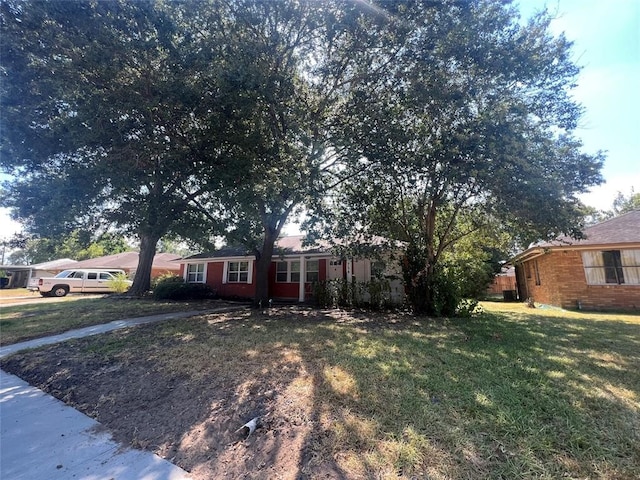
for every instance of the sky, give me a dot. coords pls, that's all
(606, 36)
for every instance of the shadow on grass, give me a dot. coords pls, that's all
(363, 396)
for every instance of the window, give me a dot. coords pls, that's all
(282, 272)
(92, 276)
(313, 271)
(537, 271)
(288, 272)
(377, 270)
(238, 272)
(105, 276)
(612, 267)
(295, 272)
(195, 273)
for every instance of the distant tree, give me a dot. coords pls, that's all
(471, 119)
(78, 245)
(626, 203)
(621, 204)
(592, 215)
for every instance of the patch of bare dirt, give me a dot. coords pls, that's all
(182, 389)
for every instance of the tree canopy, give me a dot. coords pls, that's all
(423, 122)
(472, 119)
(111, 118)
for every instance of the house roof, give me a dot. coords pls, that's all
(290, 245)
(53, 264)
(622, 231)
(126, 261)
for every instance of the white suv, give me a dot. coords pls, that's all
(82, 280)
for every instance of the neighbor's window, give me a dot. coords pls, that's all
(612, 267)
(537, 271)
(238, 272)
(313, 271)
(195, 273)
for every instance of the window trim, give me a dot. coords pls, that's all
(307, 271)
(289, 272)
(226, 271)
(197, 273)
(624, 262)
(536, 270)
(613, 271)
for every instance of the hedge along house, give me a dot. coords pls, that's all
(599, 272)
(294, 270)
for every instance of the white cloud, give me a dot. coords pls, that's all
(8, 227)
(602, 197)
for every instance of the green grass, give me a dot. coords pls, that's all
(23, 322)
(513, 393)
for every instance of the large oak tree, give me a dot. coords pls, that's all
(111, 117)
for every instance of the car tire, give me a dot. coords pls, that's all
(59, 291)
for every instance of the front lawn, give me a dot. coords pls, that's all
(48, 316)
(514, 393)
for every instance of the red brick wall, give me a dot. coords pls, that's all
(563, 284)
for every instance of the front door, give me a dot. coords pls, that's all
(335, 269)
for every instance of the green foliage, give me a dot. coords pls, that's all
(621, 204)
(166, 278)
(112, 117)
(339, 292)
(77, 245)
(438, 290)
(175, 288)
(119, 283)
(173, 119)
(469, 125)
(626, 203)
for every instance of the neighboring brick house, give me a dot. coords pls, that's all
(599, 272)
(294, 269)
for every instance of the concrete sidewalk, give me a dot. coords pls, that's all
(41, 438)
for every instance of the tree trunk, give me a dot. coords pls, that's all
(142, 279)
(419, 266)
(263, 262)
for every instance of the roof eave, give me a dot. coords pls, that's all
(534, 252)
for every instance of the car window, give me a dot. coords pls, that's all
(92, 275)
(105, 276)
(63, 274)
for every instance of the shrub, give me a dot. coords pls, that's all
(175, 288)
(166, 278)
(119, 283)
(343, 293)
